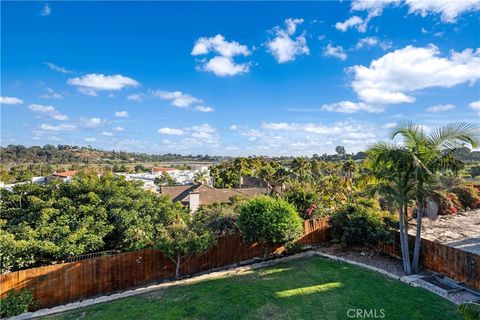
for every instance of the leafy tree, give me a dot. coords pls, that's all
(165, 180)
(42, 224)
(269, 221)
(340, 150)
(180, 240)
(305, 198)
(301, 167)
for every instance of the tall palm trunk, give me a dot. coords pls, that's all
(404, 241)
(418, 237)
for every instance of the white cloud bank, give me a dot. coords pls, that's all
(180, 99)
(48, 111)
(10, 100)
(284, 47)
(336, 52)
(351, 22)
(440, 108)
(392, 78)
(222, 64)
(60, 127)
(352, 107)
(91, 83)
(171, 131)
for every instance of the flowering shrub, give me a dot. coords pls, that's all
(448, 203)
(468, 196)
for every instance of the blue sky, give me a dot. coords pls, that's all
(234, 78)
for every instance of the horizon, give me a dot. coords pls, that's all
(234, 79)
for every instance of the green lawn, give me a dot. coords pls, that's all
(313, 288)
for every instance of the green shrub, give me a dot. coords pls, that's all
(269, 221)
(468, 195)
(305, 199)
(16, 302)
(360, 224)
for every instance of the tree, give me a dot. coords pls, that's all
(407, 172)
(301, 167)
(165, 180)
(42, 224)
(201, 177)
(269, 221)
(180, 240)
(340, 150)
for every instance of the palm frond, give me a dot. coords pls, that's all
(455, 135)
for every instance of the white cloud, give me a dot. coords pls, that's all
(48, 111)
(91, 122)
(205, 133)
(119, 129)
(90, 139)
(136, 97)
(391, 78)
(177, 98)
(10, 100)
(389, 125)
(352, 107)
(51, 94)
(107, 134)
(233, 127)
(475, 105)
(121, 114)
(440, 108)
(171, 131)
(225, 66)
(60, 127)
(336, 52)
(46, 11)
(448, 10)
(91, 83)
(351, 22)
(55, 67)
(283, 47)
(203, 109)
(372, 41)
(222, 64)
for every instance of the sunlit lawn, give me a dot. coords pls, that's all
(313, 288)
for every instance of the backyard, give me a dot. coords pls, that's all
(310, 288)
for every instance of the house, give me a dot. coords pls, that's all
(160, 170)
(193, 196)
(63, 176)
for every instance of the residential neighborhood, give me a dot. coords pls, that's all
(240, 160)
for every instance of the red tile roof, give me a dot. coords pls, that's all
(158, 169)
(66, 174)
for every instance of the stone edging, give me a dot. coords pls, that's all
(413, 280)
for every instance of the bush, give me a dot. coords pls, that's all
(269, 221)
(448, 202)
(16, 302)
(360, 224)
(220, 218)
(468, 195)
(305, 199)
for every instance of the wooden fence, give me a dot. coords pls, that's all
(455, 263)
(61, 283)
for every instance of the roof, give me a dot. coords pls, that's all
(66, 174)
(177, 193)
(160, 169)
(208, 194)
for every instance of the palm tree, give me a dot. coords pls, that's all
(405, 173)
(201, 177)
(433, 152)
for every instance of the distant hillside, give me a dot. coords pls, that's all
(63, 154)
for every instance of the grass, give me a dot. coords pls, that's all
(313, 288)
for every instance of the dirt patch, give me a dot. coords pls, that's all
(461, 231)
(367, 256)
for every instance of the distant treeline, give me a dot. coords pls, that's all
(66, 154)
